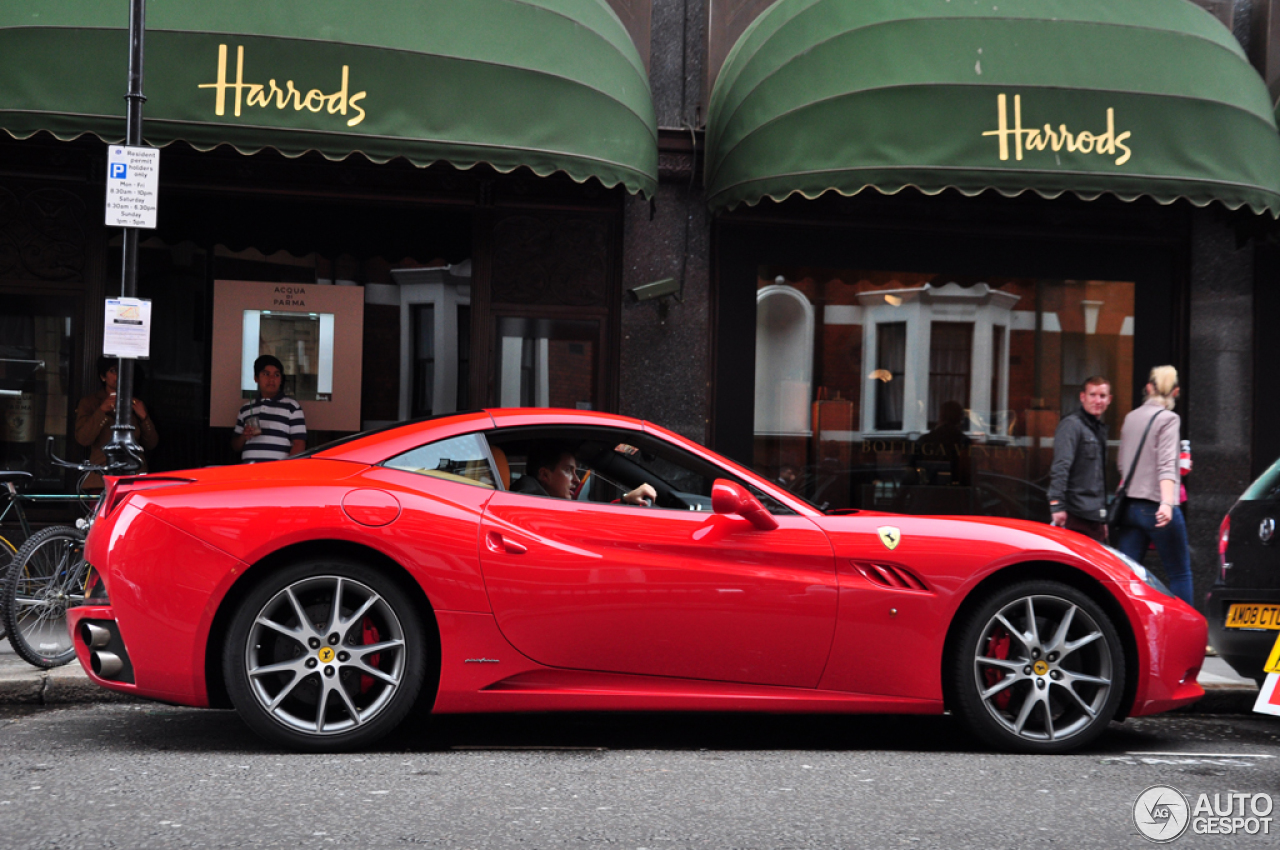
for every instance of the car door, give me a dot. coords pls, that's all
(660, 592)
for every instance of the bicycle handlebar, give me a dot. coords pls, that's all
(124, 467)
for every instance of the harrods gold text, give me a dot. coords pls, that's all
(271, 94)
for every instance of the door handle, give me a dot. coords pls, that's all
(502, 546)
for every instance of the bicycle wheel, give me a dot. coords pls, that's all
(45, 579)
(7, 551)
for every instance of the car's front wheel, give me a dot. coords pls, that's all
(325, 656)
(1039, 668)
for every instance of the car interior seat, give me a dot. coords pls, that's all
(504, 469)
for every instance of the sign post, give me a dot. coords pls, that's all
(133, 177)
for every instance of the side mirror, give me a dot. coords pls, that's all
(730, 498)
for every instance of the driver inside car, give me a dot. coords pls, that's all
(553, 471)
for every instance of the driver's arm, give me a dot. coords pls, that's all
(642, 495)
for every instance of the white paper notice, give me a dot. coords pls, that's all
(128, 328)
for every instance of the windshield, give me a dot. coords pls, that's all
(1266, 485)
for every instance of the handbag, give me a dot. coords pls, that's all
(1115, 510)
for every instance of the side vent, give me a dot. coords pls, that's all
(890, 575)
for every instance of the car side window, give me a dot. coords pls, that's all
(603, 465)
(463, 459)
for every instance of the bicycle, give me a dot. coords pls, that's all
(12, 498)
(44, 578)
(10, 479)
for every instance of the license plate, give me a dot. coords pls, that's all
(1253, 617)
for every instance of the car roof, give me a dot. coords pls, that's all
(376, 446)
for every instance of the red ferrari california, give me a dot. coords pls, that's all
(547, 560)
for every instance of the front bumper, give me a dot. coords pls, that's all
(1175, 635)
(1246, 650)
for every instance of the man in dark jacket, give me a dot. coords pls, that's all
(1078, 478)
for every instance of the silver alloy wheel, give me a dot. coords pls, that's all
(1043, 668)
(325, 655)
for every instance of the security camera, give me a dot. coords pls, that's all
(656, 289)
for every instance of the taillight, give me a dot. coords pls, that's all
(119, 489)
(1224, 537)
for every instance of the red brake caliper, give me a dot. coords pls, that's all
(997, 647)
(369, 635)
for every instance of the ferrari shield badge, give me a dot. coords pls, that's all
(889, 536)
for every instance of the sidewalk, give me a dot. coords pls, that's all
(22, 684)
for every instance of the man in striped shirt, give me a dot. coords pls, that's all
(271, 426)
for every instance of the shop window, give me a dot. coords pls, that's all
(435, 342)
(784, 360)
(930, 394)
(424, 359)
(547, 362)
(303, 342)
(37, 348)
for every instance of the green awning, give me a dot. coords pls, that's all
(551, 85)
(1127, 97)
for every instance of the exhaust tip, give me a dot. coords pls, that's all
(94, 637)
(106, 665)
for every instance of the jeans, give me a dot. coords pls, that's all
(1139, 528)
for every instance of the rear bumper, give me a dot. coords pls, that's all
(92, 655)
(1246, 650)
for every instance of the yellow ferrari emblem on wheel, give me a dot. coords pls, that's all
(326, 654)
(889, 536)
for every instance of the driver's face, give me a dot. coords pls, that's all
(561, 481)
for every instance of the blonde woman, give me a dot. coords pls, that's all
(1152, 514)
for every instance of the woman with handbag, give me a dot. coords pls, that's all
(1149, 444)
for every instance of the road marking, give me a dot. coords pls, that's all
(1204, 755)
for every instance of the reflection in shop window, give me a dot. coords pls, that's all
(950, 366)
(890, 374)
(931, 394)
(547, 362)
(784, 359)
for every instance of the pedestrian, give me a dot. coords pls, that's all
(96, 413)
(1078, 477)
(1152, 514)
(271, 425)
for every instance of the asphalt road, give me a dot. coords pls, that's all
(142, 775)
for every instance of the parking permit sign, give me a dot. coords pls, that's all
(133, 184)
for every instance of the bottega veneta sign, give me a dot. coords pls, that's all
(1046, 138)
(270, 95)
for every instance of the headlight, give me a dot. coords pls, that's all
(1149, 578)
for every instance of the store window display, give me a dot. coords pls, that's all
(930, 393)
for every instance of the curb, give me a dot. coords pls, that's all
(66, 685)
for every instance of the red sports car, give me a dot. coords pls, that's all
(543, 560)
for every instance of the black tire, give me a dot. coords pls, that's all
(1038, 668)
(312, 684)
(7, 551)
(39, 587)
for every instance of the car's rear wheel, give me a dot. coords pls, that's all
(325, 656)
(1039, 668)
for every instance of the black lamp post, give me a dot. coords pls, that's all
(124, 455)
